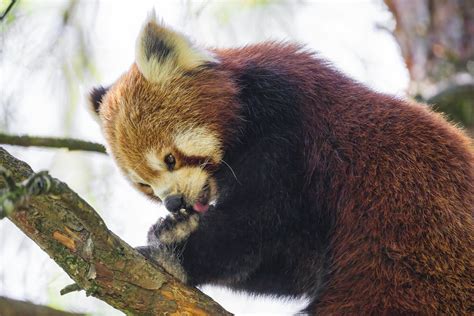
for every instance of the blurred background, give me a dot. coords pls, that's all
(53, 51)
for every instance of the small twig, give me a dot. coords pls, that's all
(10, 6)
(70, 288)
(53, 142)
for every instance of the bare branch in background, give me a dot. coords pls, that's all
(5, 13)
(52, 142)
(102, 264)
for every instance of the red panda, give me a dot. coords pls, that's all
(285, 177)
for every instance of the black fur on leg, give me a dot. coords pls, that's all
(174, 228)
(166, 257)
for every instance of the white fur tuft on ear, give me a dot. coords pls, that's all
(161, 51)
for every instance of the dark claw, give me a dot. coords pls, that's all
(165, 224)
(181, 215)
(162, 225)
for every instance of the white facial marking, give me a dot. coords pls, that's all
(154, 161)
(135, 177)
(199, 141)
(161, 192)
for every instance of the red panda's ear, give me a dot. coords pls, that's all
(162, 52)
(95, 99)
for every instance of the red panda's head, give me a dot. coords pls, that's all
(167, 119)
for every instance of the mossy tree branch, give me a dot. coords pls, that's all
(52, 142)
(7, 10)
(102, 264)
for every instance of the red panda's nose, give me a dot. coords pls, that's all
(174, 203)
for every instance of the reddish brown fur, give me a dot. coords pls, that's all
(395, 249)
(397, 178)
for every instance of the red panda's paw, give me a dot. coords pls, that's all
(165, 258)
(174, 228)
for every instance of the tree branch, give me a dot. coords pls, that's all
(53, 142)
(10, 6)
(11, 307)
(75, 236)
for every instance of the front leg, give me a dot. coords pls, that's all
(222, 249)
(225, 248)
(174, 228)
(164, 239)
(166, 257)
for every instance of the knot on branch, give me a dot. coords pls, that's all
(19, 193)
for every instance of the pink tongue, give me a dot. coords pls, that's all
(201, 208)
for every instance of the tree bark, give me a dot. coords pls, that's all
(436, 38)
(102, 264)
(11, 307)
(52, 142)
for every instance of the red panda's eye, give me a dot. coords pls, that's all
(170, 161)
